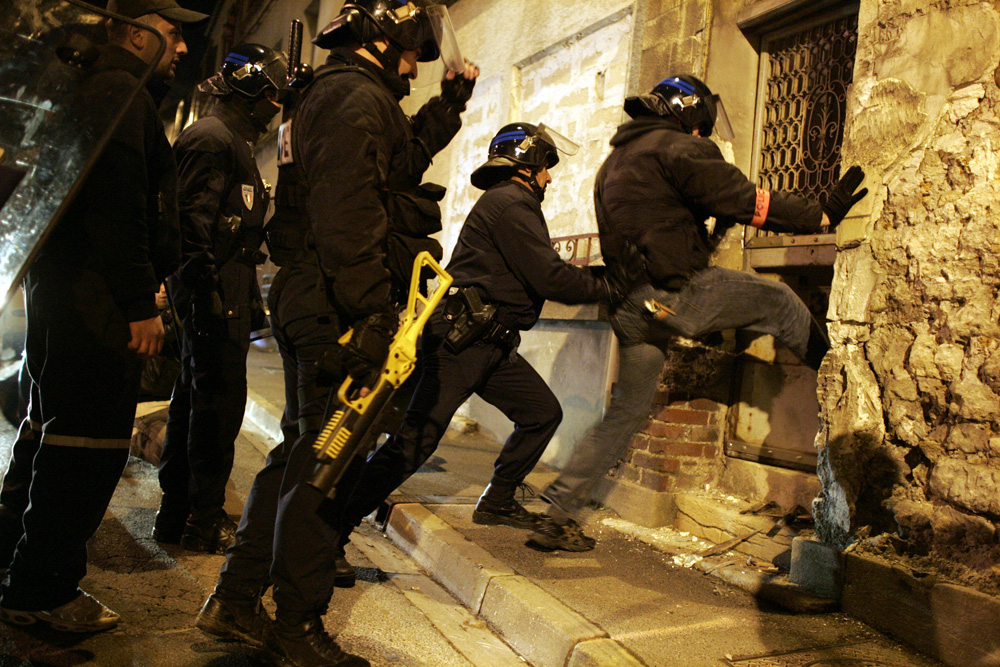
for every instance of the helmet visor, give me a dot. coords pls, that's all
(722, 125)
(444, 35)
(275, 69)
(561, 143)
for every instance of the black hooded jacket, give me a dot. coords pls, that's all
(660, 185)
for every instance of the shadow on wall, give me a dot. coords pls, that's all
(858, 475)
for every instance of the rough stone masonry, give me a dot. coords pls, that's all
(910, 394)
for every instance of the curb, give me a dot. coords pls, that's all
(261, 413)
(535, 623)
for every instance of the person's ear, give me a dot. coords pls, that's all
(138, 37)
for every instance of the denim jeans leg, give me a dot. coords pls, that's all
(716, 299)
(638, 371)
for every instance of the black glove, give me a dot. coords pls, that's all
(843, 196)
(458, 90)
(207, 316)
(624, 275)
(365, 353)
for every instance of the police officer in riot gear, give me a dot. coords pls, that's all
(344, 151)
(504, 269)
(663, 179)
(223, 202)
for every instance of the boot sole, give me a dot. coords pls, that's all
(553, 544)
(23, 618)
(486, 519)
(224, 631)
(202, 546)
(165, 537)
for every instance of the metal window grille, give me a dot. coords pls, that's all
(802, 96)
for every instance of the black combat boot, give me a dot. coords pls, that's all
(168, 527)
(211, 535)
(232, 618)
(344, 575)
(497, 506)
(306, 644)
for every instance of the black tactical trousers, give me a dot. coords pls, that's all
(207, 404)
(74, 444)
(289, 530)
(447, 380)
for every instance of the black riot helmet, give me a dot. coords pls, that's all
(423, 26)
(248, 70)
(521, 146)
(686, 99)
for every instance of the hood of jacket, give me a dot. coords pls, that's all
(634, 129)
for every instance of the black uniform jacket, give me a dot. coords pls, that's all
(660, 185)
(122, 223)
(221, 197)
(352, 145)
(504, 248)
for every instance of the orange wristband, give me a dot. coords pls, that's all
(760, 208)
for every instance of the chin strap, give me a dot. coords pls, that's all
(389, 60)
(531, 180)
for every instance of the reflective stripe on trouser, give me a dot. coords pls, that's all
(85, 383)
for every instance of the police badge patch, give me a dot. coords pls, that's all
(248, 196)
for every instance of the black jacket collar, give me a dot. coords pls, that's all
(237, 118)
(395, 84)
(634, 129)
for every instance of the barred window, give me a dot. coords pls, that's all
(805, 76)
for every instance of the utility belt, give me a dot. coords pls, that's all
(289, 240)
(474, 321)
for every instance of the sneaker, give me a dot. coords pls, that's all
(510, 513)
(213, 536)
(566, 536)
(308, 645)
(344, 575)
(84, 613)
(245, 620)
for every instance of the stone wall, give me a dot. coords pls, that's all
(910, 394)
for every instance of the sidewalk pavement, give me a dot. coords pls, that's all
(640, 598)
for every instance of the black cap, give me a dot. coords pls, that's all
(168, 9)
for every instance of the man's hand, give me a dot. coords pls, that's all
(365, 353)
(624, 275)
(843, 196)
(147, 337)
(456, 87)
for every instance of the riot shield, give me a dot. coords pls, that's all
(52, 128)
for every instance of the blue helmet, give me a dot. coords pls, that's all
(521, 146)
(248, 70)
(686, 99)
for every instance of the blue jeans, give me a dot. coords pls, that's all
(713, 300)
